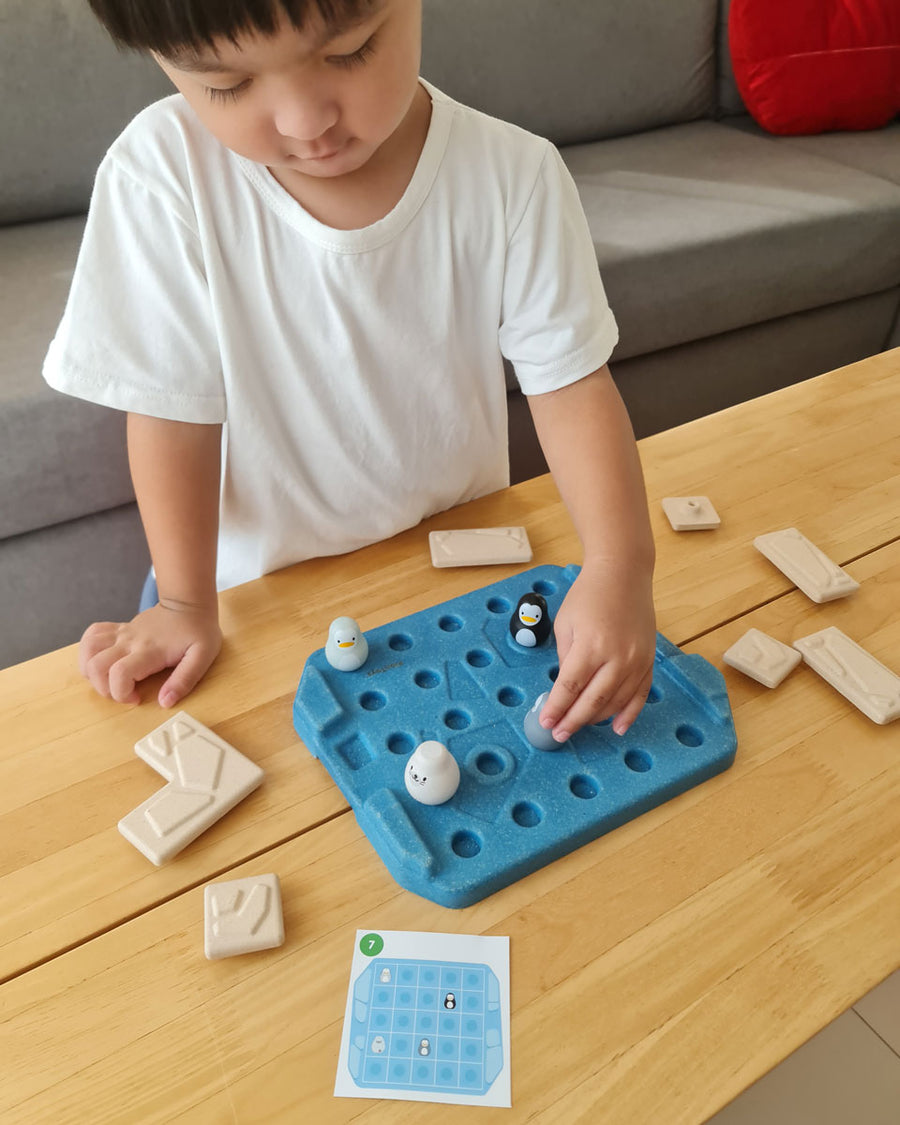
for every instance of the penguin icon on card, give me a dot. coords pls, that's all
(530, 624)
(346, 648)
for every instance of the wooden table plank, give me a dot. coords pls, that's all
(695, 946)
(823, 455)
(67, 769)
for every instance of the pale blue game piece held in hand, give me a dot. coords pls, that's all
(346, 648)
(538, 736)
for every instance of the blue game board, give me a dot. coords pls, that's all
(453, 673)
(429, 1026)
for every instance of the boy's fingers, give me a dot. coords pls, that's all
(630, 711)
(127, 673)
(94, 640)
(602, 695)
(97, 668)
(186, 675)
(579, 696)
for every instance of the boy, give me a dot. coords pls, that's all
(299, 278)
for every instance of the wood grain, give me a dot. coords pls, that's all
(655, 972)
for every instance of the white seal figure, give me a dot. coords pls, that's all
(346, 648)
(378, 1045)
(431, 774)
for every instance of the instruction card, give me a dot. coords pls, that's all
(427, 1019)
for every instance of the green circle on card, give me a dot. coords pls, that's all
(372, 945)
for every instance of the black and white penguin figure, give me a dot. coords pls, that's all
(530, 624)
(450, 1001)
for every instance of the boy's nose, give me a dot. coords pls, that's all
(304, 118)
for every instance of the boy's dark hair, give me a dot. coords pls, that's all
(171, 27)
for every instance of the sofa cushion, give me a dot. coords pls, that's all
(67, 92)
(876, 151)
(575, 70)
(702, 228)
(58, 580)
(816, 65)
(59, 458)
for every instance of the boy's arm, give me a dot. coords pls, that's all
(606, 628)
(175, 468)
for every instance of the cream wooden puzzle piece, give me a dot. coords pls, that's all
(206, 778)
(479, 546)
(242, 916)
(691, 513)
(855, 673)
(810, 569)
(762, 657)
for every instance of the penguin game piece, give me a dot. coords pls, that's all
(346, 648)
(424, 1047)
(450, 1001)
(530, 624)
(385, 977)
(539, 737)
(432, 774)
(378, 1045)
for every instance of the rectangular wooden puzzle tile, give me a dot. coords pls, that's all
(855, 673)
(242, 916)
(206, 778)
(810, 569)
(479, 546)
(763, 658)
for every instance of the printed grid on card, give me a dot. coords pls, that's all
(426, 1025)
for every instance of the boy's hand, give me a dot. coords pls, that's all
(606, 641)
(116, 656)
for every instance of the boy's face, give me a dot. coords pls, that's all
(312, 102)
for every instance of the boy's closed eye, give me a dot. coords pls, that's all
(347, 61)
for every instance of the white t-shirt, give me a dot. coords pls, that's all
(358, 373)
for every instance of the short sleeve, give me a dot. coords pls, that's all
(557, 326)
(138, 332)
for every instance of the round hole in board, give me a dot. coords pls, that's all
(401, 743)
(689, 736)
(544, 588)
(399, 642)
(510, 696)
(465, 844)
(527, 815)
(479, 658)
(583, 787)
(490, 763)
(426, 678)
(498, 605)
(654, 695)
(372, 700)
(638, 760)
(457, 720)
(450, 624)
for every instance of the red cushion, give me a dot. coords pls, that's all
(807, 66)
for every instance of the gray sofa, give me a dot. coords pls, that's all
(736, 262)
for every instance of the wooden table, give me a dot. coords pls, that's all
(655, 972)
